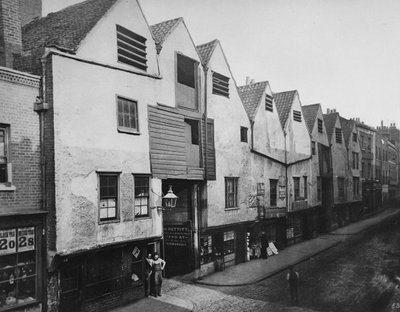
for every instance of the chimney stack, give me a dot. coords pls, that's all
(328, 111)
(10, 32)
(252, 81)
(247, 80)
(382, 123)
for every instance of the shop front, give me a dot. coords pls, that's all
(104, 278)
(221, 248)
(264, 232)
(22, 262)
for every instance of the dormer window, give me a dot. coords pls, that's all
(296, 115)
(220, 84)
(268, 103)
(131, 48)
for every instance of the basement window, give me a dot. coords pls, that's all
(268, 103)
(220, 84)
(296, 115)
(131, 48)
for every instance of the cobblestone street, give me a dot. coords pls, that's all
(348, 277)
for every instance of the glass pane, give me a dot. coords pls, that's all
(27, 263)
(103, 203)
(112, 212)
(137, 210)
(103, 213)
(126, 120)
(126, 107)
(145, 209)
(111, 202)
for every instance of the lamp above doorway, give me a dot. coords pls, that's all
(168, 201)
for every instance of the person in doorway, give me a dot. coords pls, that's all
(157, 266)
(293, 279)
(148, 287)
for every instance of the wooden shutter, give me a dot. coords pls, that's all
(211, 174)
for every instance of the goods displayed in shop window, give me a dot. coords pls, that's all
(206, 250)
(17, 266)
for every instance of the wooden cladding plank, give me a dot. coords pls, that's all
(167, 143)
(211, 170)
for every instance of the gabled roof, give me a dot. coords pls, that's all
(330, 121)
(66, 28)
(284, 101)
(251, 95)
(347, 128)
(162, 30)
(310, 114)
(206, 50)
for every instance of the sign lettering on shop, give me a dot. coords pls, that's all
(17, 240)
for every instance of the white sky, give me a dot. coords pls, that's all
(344, 54)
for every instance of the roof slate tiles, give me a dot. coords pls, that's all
(284, 101)
(330, 122)
(251, 95)
(161, 30)
(347, 128)
(206, 50)
(310, 114)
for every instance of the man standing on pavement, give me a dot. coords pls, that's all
(147, 277)
(293, 279)
(157, 266)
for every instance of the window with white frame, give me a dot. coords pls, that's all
(128, 119)
(108, 197)
(142, 196)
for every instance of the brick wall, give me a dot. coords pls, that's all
(10, 32)
(17, 94)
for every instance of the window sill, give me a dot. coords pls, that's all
(7, 188)
(128, 131)
(232, 208)
(101, 222)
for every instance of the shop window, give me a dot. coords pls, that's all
(206, 250)
(4, 153)
(137, 266)
(319, 188)
(341, 187)
(18, 274)
(108, 206)
(128, 119)
(296, 184)
(338, 133)
(142, 197)
(131, 48)
(229, 243)
(231, 192)
(320, 126)
(186, 71)
(268, 103)
(243, 134)
(220, 84)
(305, 185)
(273, 192)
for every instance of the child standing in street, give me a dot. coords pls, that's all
(293, 279)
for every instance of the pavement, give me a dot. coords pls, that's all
(254, 271)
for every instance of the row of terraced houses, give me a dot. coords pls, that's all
(101, 115)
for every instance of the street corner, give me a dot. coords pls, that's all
(178, 303)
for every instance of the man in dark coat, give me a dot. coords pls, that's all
(293, 279)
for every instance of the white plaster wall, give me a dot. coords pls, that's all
(178, 41)
(101, 42)
(86, 140)
(318, 138)
(232, 155)
(339, 162)
(268, 132)
(297, 138)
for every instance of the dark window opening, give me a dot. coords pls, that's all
(273, 192)
(296, 183)
(243, 134)
(320, 126)
(186, 71)
(194, 126)
(3, 155)
(355, 137)
(305, 187)
(220, 85)
(338, 133)
(131, 48)
(313, 149)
